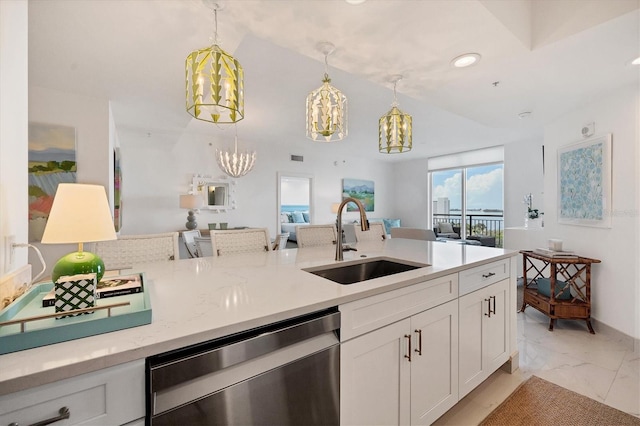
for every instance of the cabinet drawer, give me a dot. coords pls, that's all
(365, 315)
(481, 276)
(113, 395)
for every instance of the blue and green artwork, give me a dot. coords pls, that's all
(361, 190)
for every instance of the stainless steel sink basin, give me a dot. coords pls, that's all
(364, 270)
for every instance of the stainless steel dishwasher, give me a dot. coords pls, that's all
(286, 373)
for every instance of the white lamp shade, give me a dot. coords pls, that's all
(80, 214)
(190, 201)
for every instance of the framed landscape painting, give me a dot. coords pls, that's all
(361, 190)
(52, 160)
(584, 183)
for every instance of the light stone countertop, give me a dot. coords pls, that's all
(196, 300)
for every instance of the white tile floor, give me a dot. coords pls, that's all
(603, 367)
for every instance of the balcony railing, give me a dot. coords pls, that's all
(476, 224)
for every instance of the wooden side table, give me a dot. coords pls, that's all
(575, 271)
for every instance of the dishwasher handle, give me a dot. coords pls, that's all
(248, 346)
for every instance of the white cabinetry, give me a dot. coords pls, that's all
(113, 395)
(404, 372)
(483, 334)
(374, 382)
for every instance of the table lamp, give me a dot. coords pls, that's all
(80, 213)
(191, 202)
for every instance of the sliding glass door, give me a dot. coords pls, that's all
(471, 199)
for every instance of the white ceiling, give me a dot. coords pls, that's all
(546, 57)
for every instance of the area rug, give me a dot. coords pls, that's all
(539, 402)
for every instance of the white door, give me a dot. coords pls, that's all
(482, 334)
(496, 331)
(434, 363)
(374, 384)
(471, 308)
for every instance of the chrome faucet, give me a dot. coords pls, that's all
(364, 223)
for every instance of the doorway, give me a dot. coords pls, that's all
(295, 201)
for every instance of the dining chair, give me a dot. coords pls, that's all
(129, 250)
(188, 239)
(250, 240)
(203, 246)
(316, 235)
(376, 232)
(413, 234)
(280, 243)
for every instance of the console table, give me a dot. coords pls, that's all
(565, 274)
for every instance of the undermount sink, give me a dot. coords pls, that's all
(363, 270)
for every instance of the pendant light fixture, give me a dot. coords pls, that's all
(394, 128)
(233, 163)
(326, 107)
(215, 82)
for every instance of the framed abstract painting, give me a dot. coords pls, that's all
(584, 183)
(52, 160)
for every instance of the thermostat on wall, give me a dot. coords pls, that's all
(588, 130)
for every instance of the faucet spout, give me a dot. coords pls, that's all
(364, 223)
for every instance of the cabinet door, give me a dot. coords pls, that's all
(374, 384)
(434, 363)
(471, 308)
(495, 351)
(482, 338)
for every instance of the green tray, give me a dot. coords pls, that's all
(51, 330)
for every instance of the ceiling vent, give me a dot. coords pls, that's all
(299, 158)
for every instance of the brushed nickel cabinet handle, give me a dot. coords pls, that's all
(63, 413)
(419, 348)
(408, 336)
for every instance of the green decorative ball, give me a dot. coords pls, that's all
(78, 263)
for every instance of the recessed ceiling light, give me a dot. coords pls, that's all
(355, 1)
(636, 61)
(465, 60)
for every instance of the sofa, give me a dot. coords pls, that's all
(447, 230)
(289, 221)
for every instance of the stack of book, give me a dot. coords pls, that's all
(554, 253)
(109, 286)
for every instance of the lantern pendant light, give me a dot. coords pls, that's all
(326, 107)
(215, 82)
(395, 133)
(233, 163)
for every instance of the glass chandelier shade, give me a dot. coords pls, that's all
(214, 84)
(235, 164)
(395, 134)
(326, 108)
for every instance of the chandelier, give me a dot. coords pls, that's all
(233, 163)
(214, 79)
(394, 128)
(326, 107)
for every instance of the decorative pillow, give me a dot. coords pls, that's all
(544, 287)
(305, 215)
(284, 218)
(445, 228)
(390, 223)
(297, 217)
(290, 217)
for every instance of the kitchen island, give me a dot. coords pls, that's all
(196, 300)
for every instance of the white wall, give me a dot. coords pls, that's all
(410, 194)
(615, 281)
(94, 147)
(522, 175)
(156, 169)
(13, 128)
